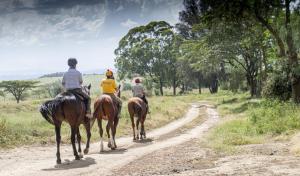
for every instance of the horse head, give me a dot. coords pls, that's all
(119, 91)
(87, 89)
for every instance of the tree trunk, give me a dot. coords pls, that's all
(161, 87)
(199, 82)
(292, 56)
(174, 86)
(214, 84)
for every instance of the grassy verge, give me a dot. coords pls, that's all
(251, 121)
(21, 124)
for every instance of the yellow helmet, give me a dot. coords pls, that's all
(109, 72)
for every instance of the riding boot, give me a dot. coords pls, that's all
(146, 102)
(88, 108)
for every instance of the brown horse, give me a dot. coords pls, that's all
(71, 109)
(137, 107)
(105, 109)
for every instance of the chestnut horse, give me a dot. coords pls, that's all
(137, 108)
(71, 109)
(105, 109)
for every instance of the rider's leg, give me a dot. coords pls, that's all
(87, 102)
(118, 101)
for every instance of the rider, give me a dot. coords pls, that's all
(139, 91)
(72, 81)
(109, 87)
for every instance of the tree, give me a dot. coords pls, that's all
(147, 50)
(17, 88)
(2, 94)
(275, 16)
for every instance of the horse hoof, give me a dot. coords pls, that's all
(58, 161)
(77, 157)
(113, 148)
(86, 151)
(80, 155)
(109, 145)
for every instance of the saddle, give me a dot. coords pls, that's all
(69, 95)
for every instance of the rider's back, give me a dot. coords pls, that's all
(108, 86)
(72, 79)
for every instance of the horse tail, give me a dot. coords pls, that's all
(49, 108)
(137, 109)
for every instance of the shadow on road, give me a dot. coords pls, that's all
(117, 151)
(67, 164)
(144, 141)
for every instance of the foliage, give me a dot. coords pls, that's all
(278, 87)
(280, 19)
(53, 88)
(147, 50)
(127, 86)
(17, 88)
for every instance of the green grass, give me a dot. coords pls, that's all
(251, 121)
(22, 124)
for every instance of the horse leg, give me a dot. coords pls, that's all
(79, 142)
(133, 126)
(88, 135)
(137, 128)
(143, 133)
(116, 122)
(73, 134)
(101, 134)
(58, 138)
(108, 135)
(111, 128)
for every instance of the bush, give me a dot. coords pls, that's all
(275, 117)
(127, 86)
(54, 88)
(278, 87)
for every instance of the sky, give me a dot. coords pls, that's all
(38, 36)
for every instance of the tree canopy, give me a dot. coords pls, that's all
(17, 88)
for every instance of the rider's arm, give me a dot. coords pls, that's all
(114, 85)
(80, 79)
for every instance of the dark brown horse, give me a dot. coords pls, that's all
(137, 108)
(105, 109)
(71, 109)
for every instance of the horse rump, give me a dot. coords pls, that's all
(49, 108)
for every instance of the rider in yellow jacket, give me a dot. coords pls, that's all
(109, 87)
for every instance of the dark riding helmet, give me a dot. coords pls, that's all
(72, 62)
(137, 80)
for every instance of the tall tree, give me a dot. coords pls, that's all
(17, 88)
(275, 16)
(147, 50)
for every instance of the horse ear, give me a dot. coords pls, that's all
(89, 86)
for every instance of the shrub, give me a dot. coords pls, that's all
(127, 86)
(275, 117)
(278, 87)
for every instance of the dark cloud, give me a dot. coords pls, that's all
(51, 6)
(44, 6)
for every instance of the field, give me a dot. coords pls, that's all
(251, 121)
(22, 124)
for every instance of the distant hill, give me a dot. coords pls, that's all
(87, 72)
(51, 75)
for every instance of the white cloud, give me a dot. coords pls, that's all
(129, 23)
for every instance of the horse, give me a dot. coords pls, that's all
(137, 107)
(105, 109)
(71, 109)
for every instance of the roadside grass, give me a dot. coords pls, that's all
(22, 124)
(251, 121)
